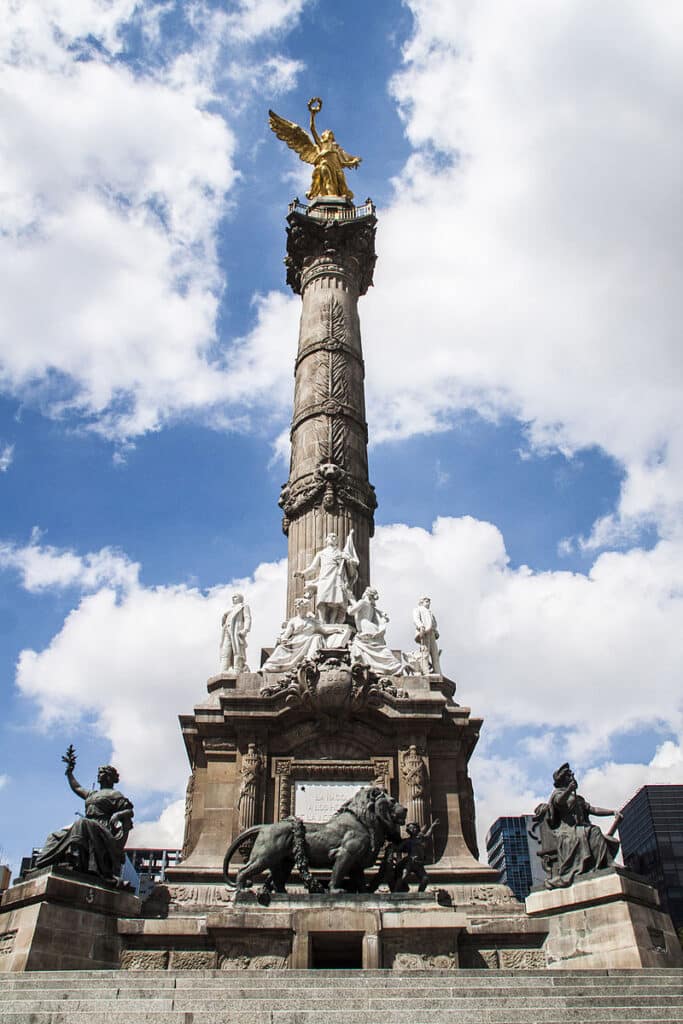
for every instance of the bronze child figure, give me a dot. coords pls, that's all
(412, 855)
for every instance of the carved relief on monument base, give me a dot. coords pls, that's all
(251, 950)
(144, 959)
(254, 963)
(254, 951)
(420, 950)
(476, 957)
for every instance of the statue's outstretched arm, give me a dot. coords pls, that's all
(347, 160)
(314, 131)
(69, 760)
(309, 568)
(76, 786)
(600, 812)
(426, 832)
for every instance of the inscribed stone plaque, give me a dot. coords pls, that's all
(317, 801)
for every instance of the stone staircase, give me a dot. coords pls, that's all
(341, 997)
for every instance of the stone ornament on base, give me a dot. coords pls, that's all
(611, 920)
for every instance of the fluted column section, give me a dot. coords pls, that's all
(330, 259)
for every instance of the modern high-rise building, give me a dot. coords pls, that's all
(512, 852)
(652, 843)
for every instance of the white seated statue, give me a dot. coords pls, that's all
(302, 638)
(369, 646)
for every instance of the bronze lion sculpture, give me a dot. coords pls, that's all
(348, 843)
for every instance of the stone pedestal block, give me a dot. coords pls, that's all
(296, 931)
(610, 920)
(60, 922)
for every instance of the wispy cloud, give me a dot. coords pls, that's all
(442, 476)
(42, 567)
(6, 457)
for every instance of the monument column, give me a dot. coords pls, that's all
(330, 261)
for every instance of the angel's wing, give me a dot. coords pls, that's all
(296, 137)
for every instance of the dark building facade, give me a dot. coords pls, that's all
(512, 852)
(652, 843)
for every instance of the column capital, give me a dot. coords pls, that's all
(337, 244)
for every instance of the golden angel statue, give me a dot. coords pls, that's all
(326, 155)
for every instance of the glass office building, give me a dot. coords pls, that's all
(512, 852)
(652, 843)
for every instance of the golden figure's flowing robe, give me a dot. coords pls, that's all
(328, 177)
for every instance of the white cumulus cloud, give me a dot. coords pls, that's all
(166, 832)
(114, 179)
(611, 784)
(533, 236)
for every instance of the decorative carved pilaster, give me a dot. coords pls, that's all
(282, 770)
(251, 771)
(382, 770)
(468, 813)
(189, 796)
(414, 773)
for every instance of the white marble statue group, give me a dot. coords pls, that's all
(338, 621)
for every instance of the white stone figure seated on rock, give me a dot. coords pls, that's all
(337, 572)
(426, 635)
(235, 626)
(302, 638)
(369, 646)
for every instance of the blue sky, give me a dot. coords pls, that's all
(522, 353)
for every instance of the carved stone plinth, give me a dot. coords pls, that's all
(347, 730)
(610, 920)
(56, 921)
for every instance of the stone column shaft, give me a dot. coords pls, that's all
(330, 260)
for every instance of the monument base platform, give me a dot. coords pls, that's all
(610, 920)
(58, 920)
(206, 927)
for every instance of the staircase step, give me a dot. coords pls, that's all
(352, 1017)
(342, 997)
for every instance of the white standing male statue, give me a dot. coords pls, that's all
(337, 572)
(235, 625)
(427, 634)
